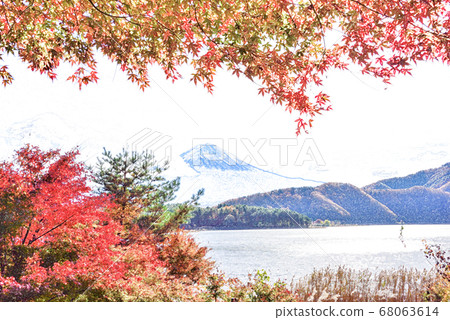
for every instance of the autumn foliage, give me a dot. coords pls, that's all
(286, 47)
(53, 230)
(59, 241)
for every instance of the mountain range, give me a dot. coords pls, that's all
(419, 198)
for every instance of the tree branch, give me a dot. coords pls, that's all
(28, 231)
(112, 15)
(322, 29)
(6, 17)
(433, 32)
(55, 227)
(21, 14)
(200, 26)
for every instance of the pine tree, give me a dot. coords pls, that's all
(136, 183)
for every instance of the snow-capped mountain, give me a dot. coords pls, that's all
(209, 156)
(225, 177)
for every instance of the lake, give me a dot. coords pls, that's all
(288, 253)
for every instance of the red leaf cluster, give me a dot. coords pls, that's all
(65, 232)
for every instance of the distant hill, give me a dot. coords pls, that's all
(432, 178)
(422, 197)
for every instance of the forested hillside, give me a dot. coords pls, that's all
(422, 197)
(246, 217)
(416, 204)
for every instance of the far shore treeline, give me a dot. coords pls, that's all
(246, 217)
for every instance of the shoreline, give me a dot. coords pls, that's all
(310, 227)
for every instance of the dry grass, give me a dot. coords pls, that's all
(345, 284)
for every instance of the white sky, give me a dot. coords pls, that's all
(372, 133)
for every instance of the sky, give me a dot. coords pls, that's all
(374, 131)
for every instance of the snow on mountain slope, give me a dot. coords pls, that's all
(225, 177)
(209, 156)
(52, 131)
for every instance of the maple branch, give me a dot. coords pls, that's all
(200, 26)
(112, 15)
(371, 9)
(6, 17)
(55, 227)
(144, 16)
(28, 231)
(322, 30)
(433, 32)
(317, 17)
(3, 262)
(21, 14)
(292, 19)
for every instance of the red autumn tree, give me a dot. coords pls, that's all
(59, 241)
(54, 233)
(282, 45)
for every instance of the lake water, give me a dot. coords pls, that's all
(288, 253)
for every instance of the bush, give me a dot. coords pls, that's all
(440, 289)
(258, 289)
(184, 258)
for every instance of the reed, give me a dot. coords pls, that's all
(344, 284)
